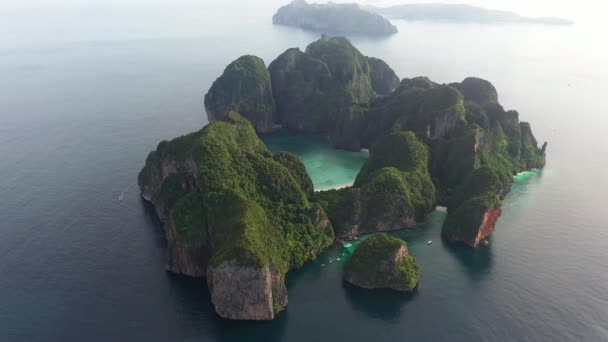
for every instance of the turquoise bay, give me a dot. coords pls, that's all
(328, 168)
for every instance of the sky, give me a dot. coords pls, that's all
(32, 22)
(579, 8)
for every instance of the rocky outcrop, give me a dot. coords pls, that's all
(475, 208)
(418, 105)
(382, 262)
(300, 85)
(472, 222)
(244, 87)
(333, 18)
(325, 90)
(384, 79)
(243, 292)
(236, 213)
(478, 90)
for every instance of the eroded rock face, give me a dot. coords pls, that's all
(488, 224)
(242, 292)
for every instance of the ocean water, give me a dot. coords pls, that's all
(87, 92)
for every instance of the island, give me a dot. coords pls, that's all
(382, 262)
(346, 19)
(461, 13)
(242, 216)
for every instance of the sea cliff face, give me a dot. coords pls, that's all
(243, 292)
(488, 223)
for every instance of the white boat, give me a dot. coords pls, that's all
(347, 244)
(430, 242)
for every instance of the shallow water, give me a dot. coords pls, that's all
(327, 167)
(78, 117)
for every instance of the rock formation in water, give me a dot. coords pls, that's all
(382, 262)
(243, 217)
(393, 190)
(333, 18)
(475, 207)
(244, 87)
(234, 212)
(460, 13)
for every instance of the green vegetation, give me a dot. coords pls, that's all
(401, 150)
(478, 90)
(468, 206)
(382, 261)
(392, 191)
(297, 169)
(384, 79)
(463, 223)
(252, 206)
(244, 87)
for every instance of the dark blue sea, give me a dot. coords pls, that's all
(86, 92)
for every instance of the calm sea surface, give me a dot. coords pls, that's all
(82, 256)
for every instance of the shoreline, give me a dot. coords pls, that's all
(337, 187)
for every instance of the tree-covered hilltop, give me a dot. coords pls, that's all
(244, 87)
(233, 211)
(347, 19)
(382, 262)
(314, 89)
(393, 190)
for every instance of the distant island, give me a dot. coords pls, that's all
(242, 216)
(344, 19)
(460, 13)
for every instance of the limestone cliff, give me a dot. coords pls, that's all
(245, 292)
